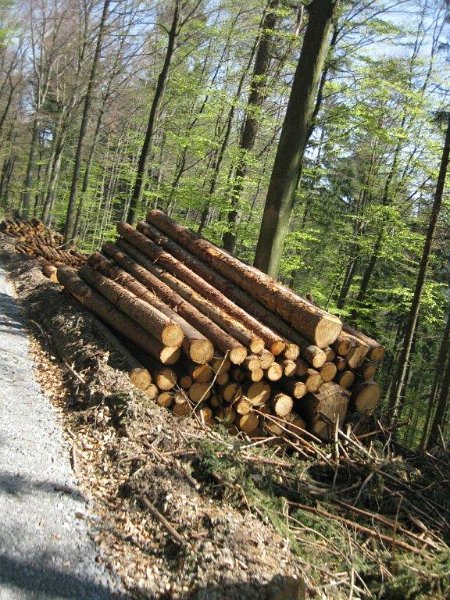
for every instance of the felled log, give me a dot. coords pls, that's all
(144, 271)
(149, 318)
(376, 351)
(324, 408)
(318, 326)
(365, 397)
(195, 345)
(180, 270)
(104, 309)
(139, 375)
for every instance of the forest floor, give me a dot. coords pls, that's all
(180, 511)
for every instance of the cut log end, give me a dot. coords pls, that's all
(140, 378)
(277, 347)
(327, 331)
(248, 423)
(367, 397)
(257, 345)
(201, 351)
(169, 355)
(282, 404)
(166, 379)
(172, 335)
(238, 355)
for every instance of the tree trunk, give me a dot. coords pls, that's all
(440, 362)
(313, 323)
(402, 368)
(288, 161)
(138, 189)
(441, 409)
(70, 215)
(258, 93)
(114, 317)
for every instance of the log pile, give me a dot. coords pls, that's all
(220, 339)
(34, 239)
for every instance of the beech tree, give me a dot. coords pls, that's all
(288, 161)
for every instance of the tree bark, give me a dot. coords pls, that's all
(70, 215)
(288, 161)
(138, 189)
(258, 93)
(316, 325)
(403, 361)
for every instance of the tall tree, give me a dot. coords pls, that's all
(404, 357)
(71, 207)
(258, 87)
(294, 134)
(159, 92)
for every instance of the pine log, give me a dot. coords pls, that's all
(328, 371)
(149, 318)
(238, 374)
(141, 268)
(165, 379)
(293, 387)
(248, 423)
(152, 391)
(289, 368)
(172, 273)
(139, 375)
(199, 373)
(318, 326)
(266, 358)
(294, 341)
(282, 404)
(312, 380)
(243, 406)
(165, 399)
(274, 372)
(256, 375)
(376, 351)
(314, 355)
(343, 344)
(345, 378)
(252, 363)
(366, 395)
(258, 393)
(180, 265)
(198, 392)
(295, 424)
(114, 317)
(195, 345)
(292, 351)
(367, 370)
(231, 392)
(226, 415)
(331, 401)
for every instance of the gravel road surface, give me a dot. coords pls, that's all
(45, 550)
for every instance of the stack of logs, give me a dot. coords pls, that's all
(220, 339)
(37, 241)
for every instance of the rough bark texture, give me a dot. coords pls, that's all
(116, 319)
(331, 401)
(294, 134)
(316, 325)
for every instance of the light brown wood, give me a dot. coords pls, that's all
(274, 372)
(222, 378)
(101, 307)
(367, 370)
(151, 319)
(341, 363)
(226, 415)
(165, 379)
(198, 392)
(289, 368)
(328, 371)
(221, 365)
(185, 382)
(292, 351)
(366, 396)
(282, 404)
(320, 327)
(180, 265)
(331, 402)
(330, 354)
(256, 375)
(266, 358)
(312, 380)
(195, 345)
(152, 391)
(345, 378)
(248, 423)
(231, 392)
(165, 399)
(252, 362)
(376, 350)
(258, 393)
(294, 387)
(243, 406)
